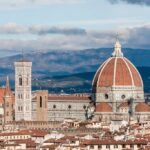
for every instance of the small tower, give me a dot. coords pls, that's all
(23, 110)
(8, 103)
(41, 106)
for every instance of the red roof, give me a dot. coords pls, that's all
(2, 94)
(142, 107)
(23, 60)
(2, 91)
(33, 133)
(103, 107)
(74, 97)
(113, 142)
(117, 71)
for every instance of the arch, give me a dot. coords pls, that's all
(54, 106)
(40, 101)
(106, 96)
(20, 81)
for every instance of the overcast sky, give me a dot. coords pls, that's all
(73, 24)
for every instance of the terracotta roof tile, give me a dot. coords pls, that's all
(71, 97)
(2, 93)
(142, 107)
(119, 72)
(103, 107)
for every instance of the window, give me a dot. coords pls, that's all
(106, 96)
(40, 101)
(123, 146)
(123, 96)
(84, 107)
(54, 106)
(115, 146)
(139, 146)
(91, 146)
(69, 107)
(20, 81)
(99, 146)
(131, 146)
(107, 146)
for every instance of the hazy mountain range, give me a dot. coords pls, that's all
(46, 65)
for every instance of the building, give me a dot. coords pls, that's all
(117, 94)
(42, 106)
(23, 99)
(7, 99)
(118, 89)
(53, 107)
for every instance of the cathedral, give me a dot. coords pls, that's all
(118, 90)
(117, 93)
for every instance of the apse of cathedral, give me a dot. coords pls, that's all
(117, 93)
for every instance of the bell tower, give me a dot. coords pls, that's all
(23, 90)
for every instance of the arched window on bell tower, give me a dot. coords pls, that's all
(40, 101)
(20, 81)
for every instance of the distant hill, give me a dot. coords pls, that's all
(63, 62)
(69, 64)
(80, 82)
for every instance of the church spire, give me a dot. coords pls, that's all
(117, 50)
(7, 82)
(7, 90)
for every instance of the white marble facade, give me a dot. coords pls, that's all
(23, 97)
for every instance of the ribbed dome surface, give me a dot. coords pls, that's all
(117, 71)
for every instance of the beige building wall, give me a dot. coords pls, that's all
(41, 106)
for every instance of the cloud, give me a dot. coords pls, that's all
(138, 2)
(49, 38)
(55, 30)
(23, 3)
(13, 28)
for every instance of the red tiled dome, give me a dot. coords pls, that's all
(117, 71)
(142, 107)
(103, 107)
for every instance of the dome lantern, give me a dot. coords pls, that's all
(117, 50)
